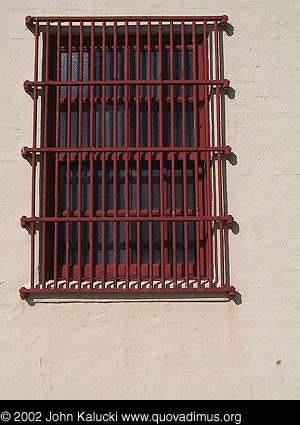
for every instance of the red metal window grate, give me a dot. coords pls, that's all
(122, 146)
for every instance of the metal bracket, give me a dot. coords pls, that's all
(23, 293)
(29, 21)
(24, 152)
(27, 86)
(232, 292)
(224, 20)
(229, 221)
(23, 221)
(227, 150)
(226, 85)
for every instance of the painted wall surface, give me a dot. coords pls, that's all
(169, 349)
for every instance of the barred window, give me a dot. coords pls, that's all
(125, 156)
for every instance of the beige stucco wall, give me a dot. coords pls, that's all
(169, 349)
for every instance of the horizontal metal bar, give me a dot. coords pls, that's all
(29, 84)
(25, 220)
(226, 149)
(125, 213)
(133, 99)
(120, 47)
(24, 292)
(32, 19)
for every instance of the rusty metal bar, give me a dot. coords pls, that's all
(228, 219)
(173, 163)
(92, 131)
(29, 84)
(115, 177)
(208, 199)
(67, 248)
(161, 162)
(32, 19)
(126, 144)
(138, 170)
(230, 290)
(79, 238)
(57, 136)
(186, 245)
(220, 182)
(226, 150)
(45, 144)
(33, 183)
(121, 99)
(149, 160)
(103, 134)
(196, 163)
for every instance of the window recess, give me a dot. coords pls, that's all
(131, 180)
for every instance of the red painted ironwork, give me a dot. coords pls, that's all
(127, 201)
(29, 84)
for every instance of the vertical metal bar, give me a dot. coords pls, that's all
(150, 154)
(201, 116)
(115, 156)
(126, 143)
(91, 187)
(207, 159)
(185, 207)
(45, 130)
(138, 175)
(196, 143)
(35, 101)
(161, 162)
(80, 153)
(68, 154)
(103, 145)
(173, 182)
(216, 42)
(57, 135)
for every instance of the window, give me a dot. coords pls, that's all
(125, 157)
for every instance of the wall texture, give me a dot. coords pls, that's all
(169, 349)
